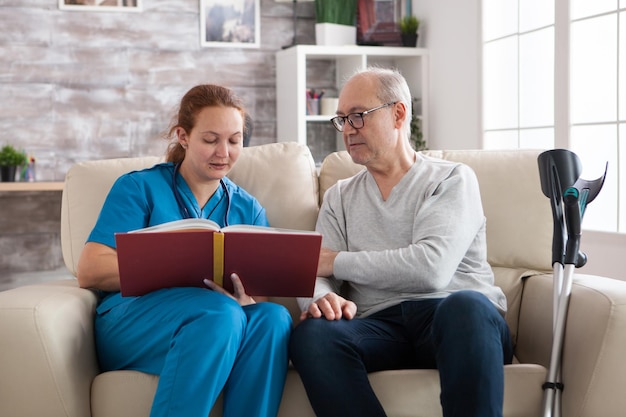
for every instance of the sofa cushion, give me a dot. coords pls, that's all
(511, 281)
(283, 177)
(336, 166)
(47, 350)
(401, 393)
(519, 218)
(593, 348)
(86, 186)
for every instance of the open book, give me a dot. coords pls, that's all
(270, 261)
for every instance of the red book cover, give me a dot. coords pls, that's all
(270, 262)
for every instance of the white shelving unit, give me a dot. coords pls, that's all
(292, 82)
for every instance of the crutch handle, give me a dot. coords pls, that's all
(573, 220)
(558, 170)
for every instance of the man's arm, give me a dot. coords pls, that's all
(447, 225)
(330, 305)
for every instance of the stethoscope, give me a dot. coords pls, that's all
(183, 208)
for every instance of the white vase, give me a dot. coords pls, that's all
(332, 34)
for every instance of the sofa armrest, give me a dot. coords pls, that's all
(593, 367)
(47, 351)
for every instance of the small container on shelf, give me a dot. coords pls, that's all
(328, 106)
(28, 171)
(312, 106)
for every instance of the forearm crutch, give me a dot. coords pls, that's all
(559, 172)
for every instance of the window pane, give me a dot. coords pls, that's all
(594, 70)
(534, 14)
(585, 8)
(595, 146)
(499, 18)
(500, 98)
(622, 66)
(622, 178)
(507, 139)
(537, 78)
(536, 138)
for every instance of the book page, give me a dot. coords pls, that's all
(250, 228)
(184, 224)
(206, 224)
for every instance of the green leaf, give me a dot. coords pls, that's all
(341, 12)
(9, 156)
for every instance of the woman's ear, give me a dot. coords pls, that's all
(183, 139)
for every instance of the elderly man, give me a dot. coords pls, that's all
(403, 279)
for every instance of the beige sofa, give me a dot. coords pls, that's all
(48, 364)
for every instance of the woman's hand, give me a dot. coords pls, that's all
(240, 292)
(332, 307)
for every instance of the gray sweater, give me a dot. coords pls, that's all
(426, 240)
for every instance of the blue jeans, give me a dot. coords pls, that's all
(201, 343)
(463, 336)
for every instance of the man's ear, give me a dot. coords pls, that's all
(400, 114)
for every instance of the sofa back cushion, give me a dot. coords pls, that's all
(86, 186)
(282, 176)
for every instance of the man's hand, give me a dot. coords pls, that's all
(331, 307)
(325, 263)
(240, 292)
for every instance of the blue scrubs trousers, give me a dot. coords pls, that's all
(200, 343)
(463, 336)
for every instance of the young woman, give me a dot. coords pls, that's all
(199, 341)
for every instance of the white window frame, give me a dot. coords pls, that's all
(562, 122)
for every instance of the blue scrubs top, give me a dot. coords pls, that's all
(145, 198)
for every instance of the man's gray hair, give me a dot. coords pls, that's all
(392, 87)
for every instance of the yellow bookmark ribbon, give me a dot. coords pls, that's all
(218, 258)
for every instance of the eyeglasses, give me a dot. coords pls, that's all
(356, 119)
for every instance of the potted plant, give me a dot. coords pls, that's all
(336, 22)
(417, 136)
(10, 160)
(408, 30)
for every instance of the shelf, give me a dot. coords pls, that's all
(31, 186)
(320, 118)
(332, 52)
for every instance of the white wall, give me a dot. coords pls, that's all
(604, 252)
(451, 30)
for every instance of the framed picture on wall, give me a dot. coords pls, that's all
(230, 23)
(101, 5)
(377, 21)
